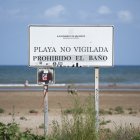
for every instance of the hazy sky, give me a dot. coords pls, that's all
(16, 15)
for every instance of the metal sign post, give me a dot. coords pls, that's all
(45, 76)
(97, 99)
(46, 110)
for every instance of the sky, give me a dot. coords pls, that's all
(17, 15)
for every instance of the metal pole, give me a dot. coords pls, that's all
(45, 109)
(97, 99)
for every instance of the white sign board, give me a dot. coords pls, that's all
(52, 46)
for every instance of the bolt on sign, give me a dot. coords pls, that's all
(55, 46)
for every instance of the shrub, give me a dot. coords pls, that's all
(129, 109)
(1, 110)
(105, 112)
(119, 110)
(137, 137)
(133, 112)
(33, 111)
(11, 131)
(80, 126)
(23, 118)
(121, 133)
(73, 110)
(102, 111)
(41, 126)
(105, 122)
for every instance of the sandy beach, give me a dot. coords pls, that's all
(17, 105)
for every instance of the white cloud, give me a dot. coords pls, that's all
(125, 16)
(55, 12)
(104, 10)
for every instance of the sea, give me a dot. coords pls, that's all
(123, 75)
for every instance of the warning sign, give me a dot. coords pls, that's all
(45, 76)
(56, 46)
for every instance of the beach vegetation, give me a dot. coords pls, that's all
(111, 109)
(105, 112)
(129, 109)
(119, 110)
(9, 113)
(33, 111)
(12, 131)
(105, 122)
(137, 137)
(121, 133)
(41, 126)
(2, 110)
(102, 112)
(23, 118)
(133, 112)
(78, 125)
(73, 110)
(109, 112)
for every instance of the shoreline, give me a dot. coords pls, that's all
(72, 87)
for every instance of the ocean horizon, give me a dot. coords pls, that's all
(119, 74)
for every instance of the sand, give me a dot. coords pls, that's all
(17, 105)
